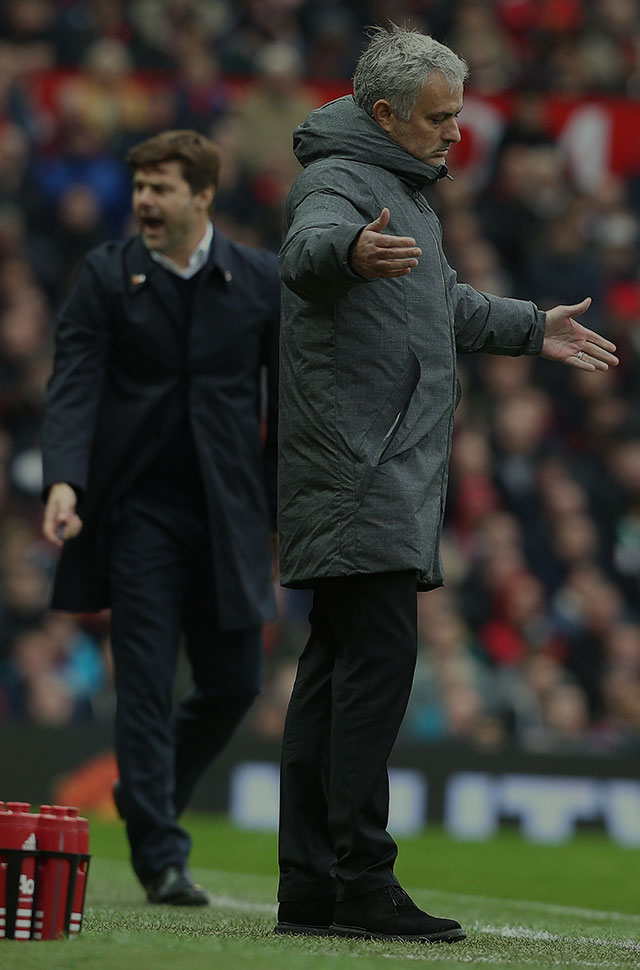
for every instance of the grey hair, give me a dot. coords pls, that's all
(397, 63)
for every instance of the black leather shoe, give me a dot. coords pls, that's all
(390, 914)
(176, 887)
(118, 801)
(307, 917)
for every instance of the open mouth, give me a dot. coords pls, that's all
(150, 224)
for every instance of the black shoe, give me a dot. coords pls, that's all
(390, 914)
(176, 887)
(118, 800)
(308, 917)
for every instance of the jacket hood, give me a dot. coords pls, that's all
(341, 129)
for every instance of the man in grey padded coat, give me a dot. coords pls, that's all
(373, 317)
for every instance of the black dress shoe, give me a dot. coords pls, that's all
(175, 887)
(307, 917)
(390, 914)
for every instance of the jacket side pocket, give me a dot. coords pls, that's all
(384, 427)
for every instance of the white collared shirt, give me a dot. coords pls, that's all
(197, 259)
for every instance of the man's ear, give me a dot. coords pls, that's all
(384, 114)
(207, 195)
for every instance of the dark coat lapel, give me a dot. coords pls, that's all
(221, 257)
(144, 271)
(153, 275)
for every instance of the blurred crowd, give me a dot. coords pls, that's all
(535, 640)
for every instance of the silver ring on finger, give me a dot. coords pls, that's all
(580, 355)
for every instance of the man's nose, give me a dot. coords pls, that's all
(145, 195)
(452, 132)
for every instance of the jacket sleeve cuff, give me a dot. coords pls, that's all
(535, 337)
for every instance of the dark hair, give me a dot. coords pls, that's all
(198, 156)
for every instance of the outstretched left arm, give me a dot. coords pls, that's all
(567, 341)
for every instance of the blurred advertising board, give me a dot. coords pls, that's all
(473, 794)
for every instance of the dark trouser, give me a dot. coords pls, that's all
(350, 695)
(162, 585)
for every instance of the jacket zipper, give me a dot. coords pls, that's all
(423, 206)
(420, 201)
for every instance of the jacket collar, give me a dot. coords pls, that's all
(342, 129)
(142, 268)
(197, 260)
(143, 271)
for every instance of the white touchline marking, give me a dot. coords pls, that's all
(506, 932)
(270, 908)
(525, 933)
(526, 904)
(530, 904)
(267, 908)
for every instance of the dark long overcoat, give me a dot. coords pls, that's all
(122, 372)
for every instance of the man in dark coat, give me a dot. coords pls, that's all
(159, 450)
(373, 317)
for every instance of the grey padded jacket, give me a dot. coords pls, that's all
(368, 383)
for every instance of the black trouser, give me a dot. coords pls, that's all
(162, 586)
(350, 695)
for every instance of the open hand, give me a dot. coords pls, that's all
(375, 255)
(569, 342)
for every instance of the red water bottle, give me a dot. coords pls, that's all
(56, 836)
(17, 870)
(81, 872)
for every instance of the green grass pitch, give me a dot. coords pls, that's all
(523, 907)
